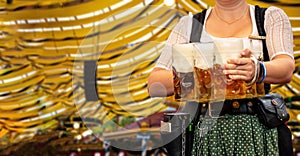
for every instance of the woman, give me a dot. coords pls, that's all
(234, 134)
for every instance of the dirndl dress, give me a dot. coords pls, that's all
(234, 135)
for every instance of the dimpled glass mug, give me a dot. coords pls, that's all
(257, 51)
(183, 64)
(228, 49)
(204, 58)
(199, 68)
(193, 63)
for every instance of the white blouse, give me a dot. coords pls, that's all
(279, 38)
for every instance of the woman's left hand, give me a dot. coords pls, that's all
(240, 68)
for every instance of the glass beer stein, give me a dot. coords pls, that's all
(183, 64)
(226, 49)
(204, 56)
(257, 51)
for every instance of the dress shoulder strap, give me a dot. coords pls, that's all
(260, 19)
(197, 26)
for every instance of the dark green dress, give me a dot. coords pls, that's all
(240, 135)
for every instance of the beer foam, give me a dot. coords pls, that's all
(183, 57)
(204, 55)
(228, 48)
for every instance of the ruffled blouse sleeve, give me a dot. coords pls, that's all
(279, 33)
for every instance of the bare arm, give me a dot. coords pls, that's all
(160, 83)
(280, 69)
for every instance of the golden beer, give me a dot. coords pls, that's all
(203, 83)
(184, 86)
(213, 84)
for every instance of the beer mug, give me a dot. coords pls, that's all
(204, 56)
(183, 64)
(257, 51)
(234, 89)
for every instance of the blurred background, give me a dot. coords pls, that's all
(73, 73)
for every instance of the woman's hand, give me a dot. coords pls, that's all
(241, 68)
